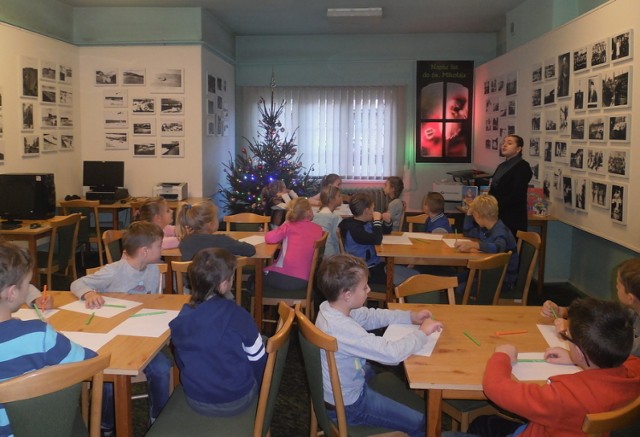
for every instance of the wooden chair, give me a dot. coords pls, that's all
(88, 234)
(528, 248)
(247, 221)
(600, 424)
(427, 289)
(61, 254)
(112, 243)
(180, 269)
(46, 401)
(177, 417)
(486, 276)
(313, 342)
(415, 220)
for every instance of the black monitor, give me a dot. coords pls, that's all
(103, 175)
(28, 196)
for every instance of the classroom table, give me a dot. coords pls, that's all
(429, 252)
(129, 354)
(456, 366)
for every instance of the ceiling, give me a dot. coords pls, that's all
(309, 17)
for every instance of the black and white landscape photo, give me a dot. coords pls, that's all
(133, 77)
(107, 76)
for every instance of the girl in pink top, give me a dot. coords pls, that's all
(156, 210)
(297, 234)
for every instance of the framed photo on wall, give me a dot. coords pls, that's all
(622, 46)
(580, 60)
(172, 148)
(618, 163)
(596, 160)
(134, 77)
(146, 149)
(618, 208)
(619, 128)
(116, 140)
(599, 54)
(599, 194)
(106, 76)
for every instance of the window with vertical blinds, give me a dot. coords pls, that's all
(351, 131)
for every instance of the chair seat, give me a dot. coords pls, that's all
(275, 293)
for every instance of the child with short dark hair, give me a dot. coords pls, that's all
(393, 188)
(156, 210)
(218, 348)
(433, 206)
(26, 345)
(343, 281)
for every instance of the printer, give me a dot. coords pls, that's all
(172, 190)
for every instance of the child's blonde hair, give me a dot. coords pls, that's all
(193, 218)
(151, 208)
(434, 201)
(486, 206)
(299, 209)
(629, 273)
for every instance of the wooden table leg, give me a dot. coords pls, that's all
(389, 272)
(123, 405)
(434, 413)
(257, 297)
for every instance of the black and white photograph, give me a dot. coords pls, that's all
(172, 148)
(65, 117)
(144, 149)
(618, 163)
(2, 152)
(548, 151)
(564, 75)
(563, 120)
(580, 193)
(27, 117)
(219, 82)
(144, 127)
(596, 128)
(580, 60)
(65, 96)
(143, 105)
(115, 99)
(167, 80)
(536, 97)
(211, 107)
(133, 77)
(29, 70)
(106, 77)
(560, 152)
(621, 46)
(536, 72)
(556, 186)
(172, 105)
(220, 106)
(512, 108)
(580, 86)
(48, 94)
(549, 94)
(30, 145)
(618, 204)
(116, 141)
(599, 55)
(616, 88)
(550, 69)
(116, 119)
(599, 194)
(576, 157)
(65, 74)
(567, 191)
(536, 119)
(211, 126)
(512, 83)
(48, 71)
(577, 129)
(619, 128)
(66, 141)
(596, 159)
(594, 91)
(211, 84)
(534, 146)
(172, 128)
(535, 170)
(50, 142)
(1, 124)
(49, 117)
(551, 120)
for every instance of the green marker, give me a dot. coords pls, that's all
(154, 313)
(112, 305)
(470, 337)
(90, 318)
(555, 315)
(39, 313)
(527, 360)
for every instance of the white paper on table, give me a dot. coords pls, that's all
(153, 325)
(540, 371)
(89, 340)
(107, 312)
(396, 239)
(395, 332)
(254, 240)
(551, 336)
(25, 314)
(451, 242)
(423, 235)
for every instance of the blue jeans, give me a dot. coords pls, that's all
(158, 373)
(227, 409)
(373, 409)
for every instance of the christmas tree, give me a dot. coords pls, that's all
(270, 157)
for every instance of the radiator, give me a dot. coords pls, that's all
(376, 194)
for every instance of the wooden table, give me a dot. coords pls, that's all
(456, 367)
(129, 354)
(264, 252)
(429, 252)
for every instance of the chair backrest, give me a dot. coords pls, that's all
(312, 341)
(598, 424)
(46, 401)
(247, 221)
(485, 279)
(180, 268)
(241, 261)
(426, 289)
(112, 242)
(62, 244)
(88, 208)
(318, 253)
(277, 348)
(340, 242)
(415, 220)
(528, 248)
(91, 270)
(452, 222)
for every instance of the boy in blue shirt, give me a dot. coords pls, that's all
(433, 206)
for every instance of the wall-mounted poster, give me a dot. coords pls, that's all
(444, 110)
(172, 148)
(116, 141)
(144, 148)
(115, 98)
(29, 74)
(167, 80)
(618, 204)
(618, 163)
(563, 75)
(622, 46)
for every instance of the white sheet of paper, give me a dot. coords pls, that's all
(552, 338)
(396, 239)
(254, 240)
(540, 371)
(423, 235)
(107, 312)
(89, 340)
(153, 325)
(396, 332)
(451, 242)
(285, 198)
(25, 314)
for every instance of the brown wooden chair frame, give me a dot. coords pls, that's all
(247, 218)
(424, 283)
(91, 206)
(476, 267)
(108, 237)
(52, 265)
(598, 424)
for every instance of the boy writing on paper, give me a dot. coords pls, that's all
(600, 337)
(343, 281)
(134, 273)
(26, 345)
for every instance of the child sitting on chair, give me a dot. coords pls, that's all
(393, 188)
(330, 199)
(218, 348)
(433, 206)
(26, 345)
(157, 211)
(343, 281)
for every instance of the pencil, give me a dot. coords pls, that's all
(526, 360)
(153, 313)
(112, 305)
(39, 313)
(470, 337)
(521, 331)
(90, 318)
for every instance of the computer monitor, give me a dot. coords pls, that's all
(27, 196)
(103, 175)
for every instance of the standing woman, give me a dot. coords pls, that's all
(509, 184)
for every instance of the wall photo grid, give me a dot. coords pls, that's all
(580, 127)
